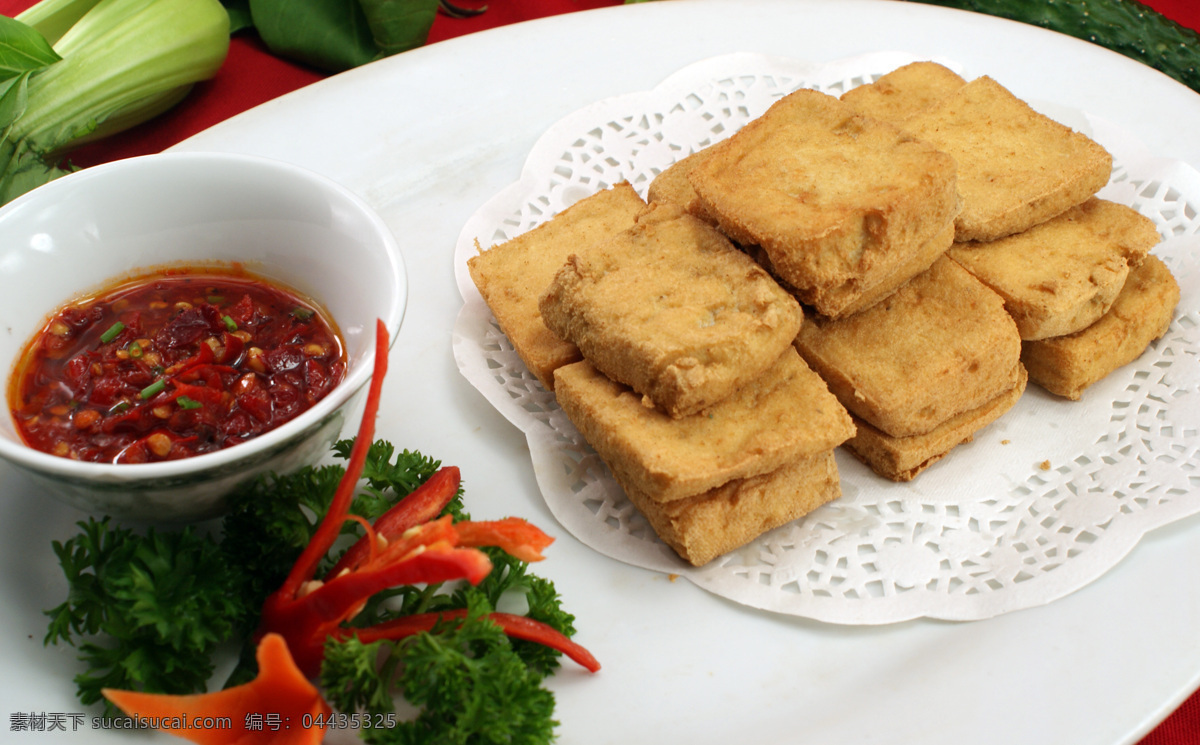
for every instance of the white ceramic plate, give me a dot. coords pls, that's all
(428, 137)
(1037, 505)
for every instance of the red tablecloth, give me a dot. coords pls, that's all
(251, 76)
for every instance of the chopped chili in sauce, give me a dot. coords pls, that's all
(173, 365)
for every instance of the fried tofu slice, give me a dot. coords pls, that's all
(856, 296)
(705, 526)
(1060, 276)
(672, 309)
(673, 185)
(784, 415)
(905, 91)
(830, 195)
(512, 275)
(1016, 166)
(902, 458)
(939, 346)
(1142, 312)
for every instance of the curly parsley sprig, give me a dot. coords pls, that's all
(466, 679)
(149, 610)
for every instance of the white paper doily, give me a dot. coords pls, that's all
(1043, 501)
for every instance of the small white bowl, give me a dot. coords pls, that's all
(281, 222)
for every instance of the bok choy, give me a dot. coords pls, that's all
(75, 70)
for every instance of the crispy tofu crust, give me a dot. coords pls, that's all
(672, 309)
(510, 276)
(902, 458)
(826, 192)
(673, 185)
(705, 526)
(1061, 276)
(858, 295)
(940, 345)
(1067, 365)
(904, 92)
(785, 414)
(1016, 167)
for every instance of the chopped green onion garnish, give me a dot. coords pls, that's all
(216, 299)
(154, 388)
(302, 314)
(188, 403)
(229, 323)
(135, 350)
(119, 407)
(112, 332)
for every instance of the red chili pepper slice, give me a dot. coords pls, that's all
(518, 627)
(327, 532)
(514, 534)
(202, 393)
(398, 551)
(422, 505)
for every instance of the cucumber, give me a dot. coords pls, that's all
(1124, 26)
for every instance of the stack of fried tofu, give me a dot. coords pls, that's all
(855, 214)
(882, 271)
(681, 375)
(927, 315)
(1074, 270)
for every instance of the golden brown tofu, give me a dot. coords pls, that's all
(705, 526)
(904, 92)
(831, 196)
(673, 185)
(902, 458)
(940, 345)
(1062, 275)
(856, 296)
(510, 276)
(1016, 166)
(785, 414)
(1067, 365)
(672, 309)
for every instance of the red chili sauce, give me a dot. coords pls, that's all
(173, 365)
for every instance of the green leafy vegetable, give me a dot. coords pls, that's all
(399, 25)
(509, 583)
(113, 64)
(467, 680)
(148, 611)
(336, 35)
(52, 18)
(271, 520)
(1124, 26)
(362, 677)
(239, 15)
(22, 49)
(23, 52)
(472, 688)
(388, 474)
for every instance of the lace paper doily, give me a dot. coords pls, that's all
(1043, 501)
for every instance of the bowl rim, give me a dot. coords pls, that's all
(220, 461)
